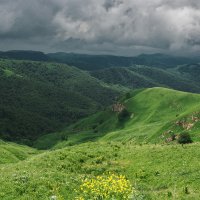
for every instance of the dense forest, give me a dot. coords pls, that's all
(38, 98)
(97, 62)
(184, 78)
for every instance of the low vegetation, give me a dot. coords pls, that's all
(155, 115)
(154, 171)
(184, 138)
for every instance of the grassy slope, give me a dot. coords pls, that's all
(154, 111)
(12, 153)
(156, 171)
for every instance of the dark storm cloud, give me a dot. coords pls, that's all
(104, 26)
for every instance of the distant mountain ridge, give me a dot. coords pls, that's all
(184, 78)
(24, 55)
(96, 62)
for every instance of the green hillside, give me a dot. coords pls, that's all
(12, 153)
(153, 113)
(155, 171)
(39, 98)
(190, 71)
(183, 78)
(135, 146)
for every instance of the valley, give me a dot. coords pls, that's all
(62, 127)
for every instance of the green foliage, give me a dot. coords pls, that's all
(153, 116)
(12, 153)
(123, 115)
(128, 95)
(184, 138)
(145, 77)
(38, 98)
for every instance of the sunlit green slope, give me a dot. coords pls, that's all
(12, 153)
(153, 112)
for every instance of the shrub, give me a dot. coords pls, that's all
(128, 95)
(64, 137)
(124, 114)
(184, 138)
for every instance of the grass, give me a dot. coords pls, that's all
(153, 111)
(100, 144)
(156, 171)
(12, 153)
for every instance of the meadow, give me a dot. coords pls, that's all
(106, 156)
(155, 171)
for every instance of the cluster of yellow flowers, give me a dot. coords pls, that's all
(106, 187)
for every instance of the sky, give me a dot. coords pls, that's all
(118, 27)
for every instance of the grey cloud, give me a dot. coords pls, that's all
(124, 27)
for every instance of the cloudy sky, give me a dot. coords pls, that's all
(121, 27)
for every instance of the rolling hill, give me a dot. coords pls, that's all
(135, 146)
(13, 153)
(43, 97)
(155, 113)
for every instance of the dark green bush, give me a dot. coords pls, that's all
(184, 138)
(128, 95)
(123, 115)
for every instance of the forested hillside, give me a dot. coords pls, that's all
(97, 62)
(38, 98)
(184, 78)
(43, 97)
